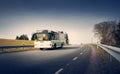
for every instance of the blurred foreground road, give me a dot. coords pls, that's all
(75, 59)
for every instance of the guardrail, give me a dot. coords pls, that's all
(114, 51)
(14, 48)
(6, 47)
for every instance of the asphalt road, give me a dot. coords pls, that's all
(75, 59)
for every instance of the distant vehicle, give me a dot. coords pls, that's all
(50, 39)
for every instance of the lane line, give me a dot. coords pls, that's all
(81, 53)
(67, 64)
(57, 72)
(75, 58)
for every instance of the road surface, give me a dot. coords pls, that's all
(74, 59)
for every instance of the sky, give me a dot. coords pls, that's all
(75, 17)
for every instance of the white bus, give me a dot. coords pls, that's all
(49, 39)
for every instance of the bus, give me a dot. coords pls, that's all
(49, 39)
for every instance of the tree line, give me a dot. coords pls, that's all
(108, 32)
(22, 37)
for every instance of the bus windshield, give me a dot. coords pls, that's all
(43, 37)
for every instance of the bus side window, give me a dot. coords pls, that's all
(52, 37)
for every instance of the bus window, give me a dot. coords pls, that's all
(42, 37)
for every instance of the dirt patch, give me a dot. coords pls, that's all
(93, 67)
(101, 62)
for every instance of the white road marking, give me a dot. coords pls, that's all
(67, 64)
(57, 72)
(81, 53)
(75, 58)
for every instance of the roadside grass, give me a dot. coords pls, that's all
(10, 42)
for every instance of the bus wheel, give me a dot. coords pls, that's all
(41, 48)
(61, 46)
(54, 46)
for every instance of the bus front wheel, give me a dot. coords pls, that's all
(61, 46)
(41, 48)
(54, 46)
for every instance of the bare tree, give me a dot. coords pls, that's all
(106, 32)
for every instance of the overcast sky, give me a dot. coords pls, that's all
(76, 17)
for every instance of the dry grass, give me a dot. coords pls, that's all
(10, 42)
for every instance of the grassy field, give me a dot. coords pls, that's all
(10, 42)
